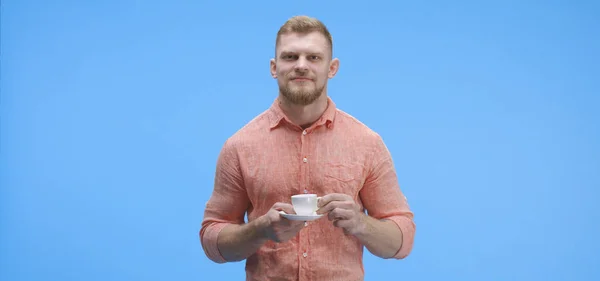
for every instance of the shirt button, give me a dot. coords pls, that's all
(305, 191)
(305, 255)
(305, 223)
(305, 160)
(304, 132)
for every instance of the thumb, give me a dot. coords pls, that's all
(287, 208)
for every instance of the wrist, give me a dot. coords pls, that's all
(260, 227)
(361, 226)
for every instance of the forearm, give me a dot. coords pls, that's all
(237, 242)
(382, 238)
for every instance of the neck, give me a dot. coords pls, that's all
(304, 115)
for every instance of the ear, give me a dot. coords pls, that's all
(334, 65)
(273, 67)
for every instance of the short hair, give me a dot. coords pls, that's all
(304, 24)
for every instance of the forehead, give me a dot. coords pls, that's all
(303, 42)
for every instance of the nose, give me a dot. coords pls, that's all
(301, 64)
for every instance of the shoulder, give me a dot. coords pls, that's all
(251, 132)
(363, 137)
(366, 140)
(354, 127)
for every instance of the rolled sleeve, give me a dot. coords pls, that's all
(407, 227)
(383, 199)
(227, 204)
(209, 235)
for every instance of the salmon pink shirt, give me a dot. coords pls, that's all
(270, 159)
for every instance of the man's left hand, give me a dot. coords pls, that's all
(343, 211)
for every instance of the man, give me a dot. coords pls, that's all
(304, 144)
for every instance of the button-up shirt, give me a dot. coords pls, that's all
(270, 159)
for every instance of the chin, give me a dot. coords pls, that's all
(301, 98)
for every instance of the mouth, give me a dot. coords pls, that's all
(301, 79)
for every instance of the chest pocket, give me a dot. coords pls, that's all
(346, 178)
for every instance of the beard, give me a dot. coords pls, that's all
(301, 95)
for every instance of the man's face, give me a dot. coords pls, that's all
(302, 66)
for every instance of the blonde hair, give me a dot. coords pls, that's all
(304, 24)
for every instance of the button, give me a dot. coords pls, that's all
(305, 223)
(304, 132)
(305, 191)
(305, 255)
(305, 160)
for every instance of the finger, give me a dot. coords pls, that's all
(340, 214)
(330, 197)
(287, 208)
(299, 225)
(342, 223)
(292, 228)
(331, 216)
(328, 207)
(277, 219)
(290, 233)
(336, 204)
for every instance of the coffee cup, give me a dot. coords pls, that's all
(305, 204)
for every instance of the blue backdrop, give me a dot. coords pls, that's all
(113, 113)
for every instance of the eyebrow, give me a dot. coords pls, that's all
(283, 53)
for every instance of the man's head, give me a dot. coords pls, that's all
(303, 60)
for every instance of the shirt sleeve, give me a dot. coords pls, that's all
(382, 198)
(227, 204)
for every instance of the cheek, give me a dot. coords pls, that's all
(323, 73)
(281, 81)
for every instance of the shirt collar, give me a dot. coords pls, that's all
(277, 115)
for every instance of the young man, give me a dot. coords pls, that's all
(304, 144)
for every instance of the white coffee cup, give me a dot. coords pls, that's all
(305, 204)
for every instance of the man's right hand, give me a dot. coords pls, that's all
(238, 241)
(278, 228)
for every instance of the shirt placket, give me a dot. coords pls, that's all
(303, 236)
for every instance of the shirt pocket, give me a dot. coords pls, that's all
(343, 178)
(341, 172)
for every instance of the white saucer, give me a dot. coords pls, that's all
(294, 217)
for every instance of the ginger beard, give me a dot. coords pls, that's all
(301, 92)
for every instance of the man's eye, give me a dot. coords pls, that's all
(314, 57)
(289, 57)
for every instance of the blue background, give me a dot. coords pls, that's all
(113, 113)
